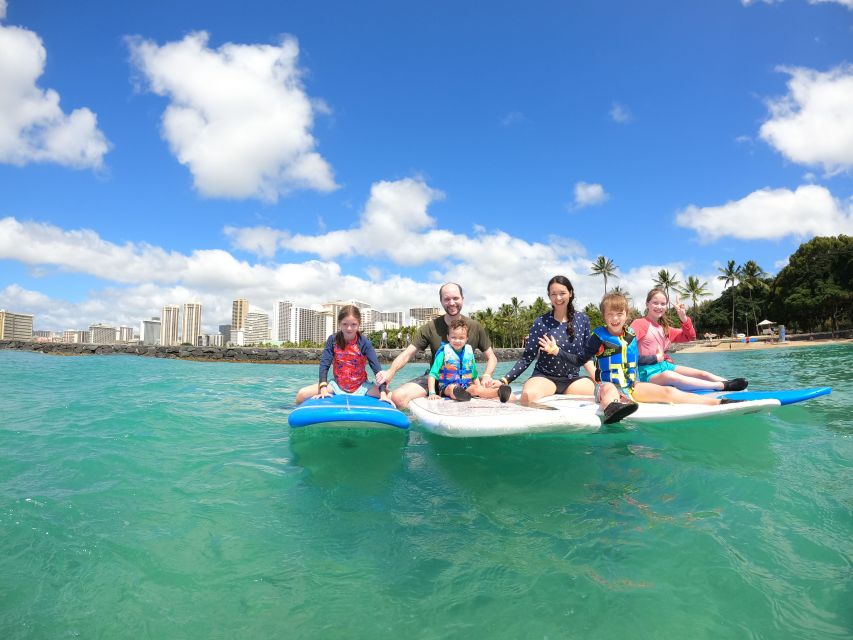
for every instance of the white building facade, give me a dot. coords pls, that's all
(149, 332)
(191, 326)
(257, 328)
(15, 326)
(169, 325)
(102, 334)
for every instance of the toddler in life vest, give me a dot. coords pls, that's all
(613, 348)
(454, 370)
(347, 353)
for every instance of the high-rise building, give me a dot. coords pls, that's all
(149, 331)
(15, 326)
(369, 318)
(257, 328)
(422, 315)
(102, 334)
(73, 336)
(281, 321)
(239, 309)
(309, 325)
(191, 329)
(124, 334)
(391, 317)
(169, 325)
(211, 340)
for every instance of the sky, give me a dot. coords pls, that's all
(157, 153)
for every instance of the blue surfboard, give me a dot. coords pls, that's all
(347, 412)
(785, 396)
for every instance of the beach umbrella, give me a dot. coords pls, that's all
(765, 323)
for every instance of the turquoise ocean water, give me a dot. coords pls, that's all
(145, 498)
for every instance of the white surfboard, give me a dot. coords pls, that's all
(559, 414)
(489, 418)
(653, 412)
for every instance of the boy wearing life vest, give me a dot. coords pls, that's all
(613, 347)
(454, 370)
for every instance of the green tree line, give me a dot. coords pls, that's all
(814, 292)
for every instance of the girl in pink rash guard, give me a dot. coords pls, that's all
(655, 336)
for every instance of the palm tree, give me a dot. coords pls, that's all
(694, 290)
(667, 281)
(730, 275)
(604, 267)
(517, 307)
(504, 322)
(752, 277)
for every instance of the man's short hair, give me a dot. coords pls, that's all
(446, 284)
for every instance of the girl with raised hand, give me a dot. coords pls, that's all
(347, 353)
(654, 338)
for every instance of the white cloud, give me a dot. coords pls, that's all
(2, 9)
(621, 114)
(261, 241)
(770, 214)
(33, 127)
(83, 251)
(239, 117)
(394, 226)
(589, 194)
(813, 123)
(846, 3)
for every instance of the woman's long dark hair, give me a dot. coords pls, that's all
(346, 311)
(570, 308)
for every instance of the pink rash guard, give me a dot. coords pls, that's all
(650, 338)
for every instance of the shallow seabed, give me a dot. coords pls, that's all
(144, 498)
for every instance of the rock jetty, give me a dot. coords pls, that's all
(212, 354)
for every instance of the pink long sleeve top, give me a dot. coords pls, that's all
(651, 338)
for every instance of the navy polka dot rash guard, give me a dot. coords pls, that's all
(546, 364)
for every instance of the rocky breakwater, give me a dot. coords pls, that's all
(211, 354)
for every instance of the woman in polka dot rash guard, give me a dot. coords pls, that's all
(553, 335)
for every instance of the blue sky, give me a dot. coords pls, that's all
(154, 154)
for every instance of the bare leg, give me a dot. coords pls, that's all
(482, 391)
(306, 392)
(698, 373)
(582, 387)
(406, 393)
(682, 381)
(536, 388)
(650, 392)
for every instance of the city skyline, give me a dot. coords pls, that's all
(176, 331)
(376, 150)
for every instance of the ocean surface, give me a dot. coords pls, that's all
(148, 498)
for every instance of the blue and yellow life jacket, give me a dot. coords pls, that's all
(616, 360)
(457, 370)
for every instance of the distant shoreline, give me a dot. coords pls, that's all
(720, 346)
(258, 355)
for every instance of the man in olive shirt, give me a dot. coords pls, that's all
(432, 335)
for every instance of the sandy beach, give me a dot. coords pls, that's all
(716, 346)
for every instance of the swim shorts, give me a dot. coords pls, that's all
(561, 383)
(361, 391)
(647, 371)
